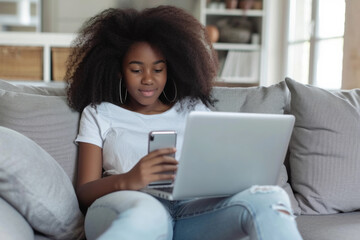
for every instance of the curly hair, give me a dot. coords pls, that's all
(96, 60)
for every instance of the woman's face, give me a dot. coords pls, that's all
(145, 74)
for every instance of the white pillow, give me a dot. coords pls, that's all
(44, 118)
(12, 224)
(38, 188)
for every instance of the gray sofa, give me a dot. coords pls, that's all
(321, 172)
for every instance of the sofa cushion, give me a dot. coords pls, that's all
(12, 224)
(44, 117)
(330, 226)
(37, 187)
(272, 99)
(325, 149)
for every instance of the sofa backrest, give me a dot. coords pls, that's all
(42, 113)
(320, 146)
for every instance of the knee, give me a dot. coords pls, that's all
(272, 192)
(132, 205)
(145, 211)
(276, 197)
(265, 198)
(127, 210)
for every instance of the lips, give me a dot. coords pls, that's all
(147, 92)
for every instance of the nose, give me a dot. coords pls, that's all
(147, 78)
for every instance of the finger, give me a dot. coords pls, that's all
(160, 177)
(163, 160)
(158, 157)
(164, 169)
(162, 151)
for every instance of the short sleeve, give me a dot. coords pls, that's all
(92, 127)
(201, 107)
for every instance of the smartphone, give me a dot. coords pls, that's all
(162, 139)
(159, 140)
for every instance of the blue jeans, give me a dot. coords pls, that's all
(261, 212)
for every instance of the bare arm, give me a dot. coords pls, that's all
(90, 186)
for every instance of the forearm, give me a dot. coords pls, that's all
(89, 192)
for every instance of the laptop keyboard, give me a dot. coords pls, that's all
(165, 189)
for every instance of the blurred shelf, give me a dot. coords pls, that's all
(47, 41)
(240, 63)
(236, 46)
(234, 12)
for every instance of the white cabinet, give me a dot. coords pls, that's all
(21, 14)
(241, 46)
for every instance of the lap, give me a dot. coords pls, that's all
(229, 217)
(253, 198)
(222, 218)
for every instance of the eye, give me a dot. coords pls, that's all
(158, 70)
(135, 70)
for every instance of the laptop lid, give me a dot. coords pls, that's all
(224, 153)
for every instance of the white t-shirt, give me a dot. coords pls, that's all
(123, 134)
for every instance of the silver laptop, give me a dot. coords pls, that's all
(224, 153)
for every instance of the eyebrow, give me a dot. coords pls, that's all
(141, 63)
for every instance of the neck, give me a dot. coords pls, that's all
(155, 108)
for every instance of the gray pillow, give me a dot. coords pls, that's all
(55, 89)
(38, 188)
(12, 224)
(272, 99)
(325, 149)
(44, 118)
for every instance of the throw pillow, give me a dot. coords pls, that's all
(12, 224)
(46, 119)
(272, 99)
(325, 149)
(38, 188)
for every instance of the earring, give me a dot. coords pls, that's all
(175, 93)
(120, 90)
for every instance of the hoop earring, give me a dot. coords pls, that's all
(173, 100)
(120, 90)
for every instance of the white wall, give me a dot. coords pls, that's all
(351, 58)
(66, 16)
(277, 24)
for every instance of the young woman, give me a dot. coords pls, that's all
(133, 72)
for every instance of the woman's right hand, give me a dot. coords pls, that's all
(151, 168)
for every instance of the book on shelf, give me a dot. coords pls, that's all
(241, 66)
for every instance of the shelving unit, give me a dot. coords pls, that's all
(46, 41)
(249, 56)
(21, 13)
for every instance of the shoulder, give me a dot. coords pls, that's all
(97, 111)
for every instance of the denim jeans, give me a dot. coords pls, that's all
(261, 212)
